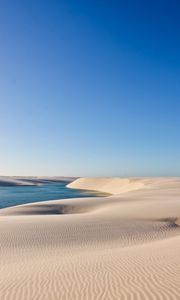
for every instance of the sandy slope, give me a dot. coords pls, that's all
(120, 247)
(107, 185)
(117, 185)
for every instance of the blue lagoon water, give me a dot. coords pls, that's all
(16, 195)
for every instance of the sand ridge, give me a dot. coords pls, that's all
(124, 246)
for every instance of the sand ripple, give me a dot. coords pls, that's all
(122, 247)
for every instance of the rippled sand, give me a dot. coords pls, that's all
(125, 246)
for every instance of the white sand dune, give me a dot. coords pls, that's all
(125, 246)
(26, 181)
(107, 185)
(117, 185)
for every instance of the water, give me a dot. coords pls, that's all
(16, 195)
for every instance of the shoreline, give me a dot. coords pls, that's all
(22, 194)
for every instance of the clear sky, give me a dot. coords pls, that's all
(89, 88)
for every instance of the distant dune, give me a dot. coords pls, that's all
(19, 181)
(124, 246)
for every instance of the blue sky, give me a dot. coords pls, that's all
(89, 88)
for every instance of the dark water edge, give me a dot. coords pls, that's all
(17, 195)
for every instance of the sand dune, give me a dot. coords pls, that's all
(124, 246)
(26, 181)
(117, 185)
(107, 185)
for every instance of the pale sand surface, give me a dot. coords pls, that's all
(124, 246)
